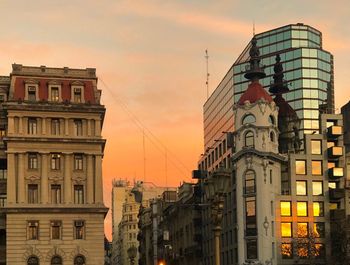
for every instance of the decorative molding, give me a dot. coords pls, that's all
(248, 161)
(78, 179)
(33, 178)
(56, 179)
(262, 106)
(78, 251)
(31, 251)
(265, 163)
(55, 251)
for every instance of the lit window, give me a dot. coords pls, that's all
(303, 229)
(78, 194)
(286, 209)
(55, 193)
(33, 193)
(77, 94)
(330, 165)
(33, 230)
(79, 229)
(32, 161)
(318, 208)
(56, 229)
(319, 250)
(302, 208)
(55, 161)
(78, 162)
(330, 144)
(332, 185)
(300, 167)
(301, 187)
(31, 93)
(249, 139)
(316, 147)
(303, 250)
(317, 188)
(78, 127)
(55, 127)
(249, 182)
(286, 250)
(32, 126)
(333, 206)
(316, 167)
(319, 230)
(286, 229)
(55, 94)
(249, 118)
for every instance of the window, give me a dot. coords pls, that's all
(55, 161)
(33, 260)
(78, 162)
(286, 209)
(56, 229)
(319, 250)
(303, 229)
(55, 96)
(249, 139)
(286, 229)
(319, 230)
(2, 200)
(32, 161)
(56, 260)
(252, 249)
(272, 137)
(250, 206)
(55, 194)
(79, 260)
(79, 230)
(317, 188)
(79, 194)
(316, 167)
(300, 167)
(77, 94)
(316, 147)
(78, 127)
(31, 93)
(55, 127)
(271, 120)
(249, 182)
(287, 250)
(318, 208)
(33, 193)
(301, 187)
(32, 126)
(302, 208)
(303, 250)
(249, 118)
(33, 230)
(3, 173)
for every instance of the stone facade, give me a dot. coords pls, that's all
(54, 209)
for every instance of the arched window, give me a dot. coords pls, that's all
(249, 118)
(79, 260)
(33, 260)
(249, 182)
(56, 260)
(271, 120)
(249, 139)
(272, 137)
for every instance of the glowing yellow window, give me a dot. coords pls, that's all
(300, 167)
(285, 209)
(316, 167)
(318, 208)
(303, 229)
(286, 229)
(302, 208)
(286, 250)
(316, 147)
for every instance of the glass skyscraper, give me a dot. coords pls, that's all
(308, 69)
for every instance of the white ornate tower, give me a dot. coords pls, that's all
(257, 166)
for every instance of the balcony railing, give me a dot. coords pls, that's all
(336, 172)
(336, 194)
(335, 151)
(335, 131)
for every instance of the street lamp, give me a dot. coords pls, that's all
(132, 252)
(216, 186)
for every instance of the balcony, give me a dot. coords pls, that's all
(335, 151)
(334, 131)
(335, 173)
(336, 194)
(337, 214)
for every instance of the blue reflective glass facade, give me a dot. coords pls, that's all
(307, 68)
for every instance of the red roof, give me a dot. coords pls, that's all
(254, 92)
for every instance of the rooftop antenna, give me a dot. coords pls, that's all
(207, 62)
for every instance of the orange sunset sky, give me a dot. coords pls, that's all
(149, 57)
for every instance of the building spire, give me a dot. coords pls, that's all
(278, 86)
(255, 71)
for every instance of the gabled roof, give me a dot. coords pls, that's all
(254, 92)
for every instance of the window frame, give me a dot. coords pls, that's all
(32, 126)
(56, 193)
(78, 162)
(56, 230)
(79, 194)
(78, 127)
(32, 230)
(33, 193)
(249, 136)
(79, 229)
(55, 126)
(33, 161)
(296, 167)
(55, 161)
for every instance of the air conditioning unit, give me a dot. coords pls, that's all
(79, 223)
(77, 90)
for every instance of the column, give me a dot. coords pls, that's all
(43, 130)
(20, 125)
(11, 179)
(88, 127)
(44, 179)
(89, 179)
(21, 184)
(98, 128)
(67, 179)
(98, 179)
(66, 127)
(11, 125)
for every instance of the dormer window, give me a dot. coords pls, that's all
(31, 93)
(55, 96)
(249, 118)
(77, 94)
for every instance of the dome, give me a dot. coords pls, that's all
(254, 92)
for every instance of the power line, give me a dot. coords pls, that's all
(173, 159)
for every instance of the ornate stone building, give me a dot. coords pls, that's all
(53, 146)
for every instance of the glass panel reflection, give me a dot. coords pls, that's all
(317, 188)
(316, 147)
(316, 167)
(286, 209)
(300, 167)
(301, 187)
(318, 208)
(302, 208)
(286, 229)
